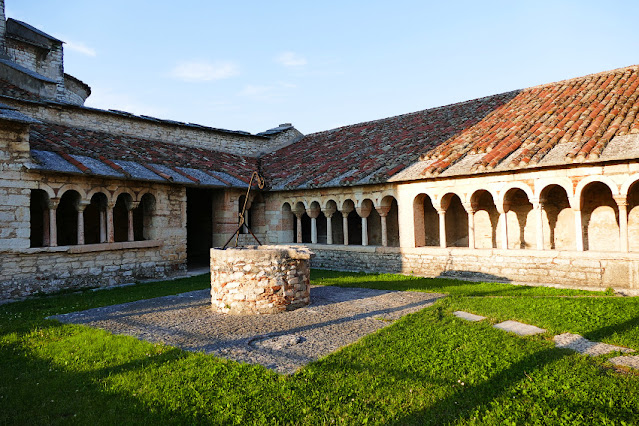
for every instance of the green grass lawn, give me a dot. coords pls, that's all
(427, 368)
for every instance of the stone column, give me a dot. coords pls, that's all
(622, 204)
(364, 212)
(313, 213)
(53, 226)
(130, 206)
(80, 208)
(539, 213)
(345, 227)
(579, 232)
(109, 222)
(442, 228)
(383, 213)
(103, 224)
(471, 224)
(329, 211)
(345, 211)
(298, 237)
(504, 226)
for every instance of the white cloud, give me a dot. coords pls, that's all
(290, 59)
(80, 48)
(194, 71)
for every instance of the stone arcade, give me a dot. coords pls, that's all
(535, 186)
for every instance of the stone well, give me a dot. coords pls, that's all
(260, 279)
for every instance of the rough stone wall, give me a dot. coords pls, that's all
(260, 280)
(25, 271)
(93, 119)
(586, 270)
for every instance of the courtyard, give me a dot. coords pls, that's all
(427, 367)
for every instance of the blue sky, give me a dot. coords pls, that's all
(252, 65)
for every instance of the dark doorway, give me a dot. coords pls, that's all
(199, 226)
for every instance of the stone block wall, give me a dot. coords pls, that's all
(586, 270)
(93, 119)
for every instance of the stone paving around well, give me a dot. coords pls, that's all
(566, 340)
(283, 342)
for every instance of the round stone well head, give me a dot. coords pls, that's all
(260, 279)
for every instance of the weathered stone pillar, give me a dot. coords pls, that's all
(345, 228)
(383, 212)
(313, 213)
(579, 232)
(471, 224)
(504, 226)
(103, 225)
(53, 226)
(80, 208)
(364, 212)
(329, 212)
(442, 228)
(345, 211)
(109, 215)
(622, 204)
(130, 206)
(539, 213)
(299, 228)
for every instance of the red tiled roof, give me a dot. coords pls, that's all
(109, 148)
(507, 131)
(8, 89)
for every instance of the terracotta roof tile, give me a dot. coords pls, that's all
(510, 130)
(71, 142)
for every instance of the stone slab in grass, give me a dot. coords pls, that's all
(468, 316)
(584, 346)
(626, 361)
(519, 328)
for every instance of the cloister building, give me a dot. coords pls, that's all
(537, 186)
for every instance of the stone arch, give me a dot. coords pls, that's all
(99, 190)
(123, 190)
(390, 210)
(456, 220)
(144, 227)
(486, 219)
(614, 188)
(67, 217)
(632, 198)
(95, 217)
(39, 218)
(520, 218)
(508, 188)
(599, 217)
(558, 218)
(426, 221)
(287, 224)
(123, 203)
(72, 187)
(353, 231)
(46, 188)
(302, 223)
(625, 187)
(334, 222)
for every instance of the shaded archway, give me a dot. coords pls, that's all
(456, 221)
(426, 221)
(633, 217)
(520, 219)
(143, 219)
(486, 219)
(287, 224)
(600, 218)
(39, 218)
(67, 218)
(121, 217)
(95, 219)
(391, 209)
(559, 219)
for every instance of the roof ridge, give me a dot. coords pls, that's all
(572, 79)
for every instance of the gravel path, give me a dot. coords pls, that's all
(283, 342)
